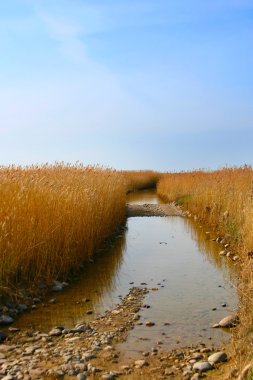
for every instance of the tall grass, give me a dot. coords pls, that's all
(141, 179)
(54, 217)
(223, 200)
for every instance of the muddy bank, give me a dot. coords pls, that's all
(153, 210)
(89, 351)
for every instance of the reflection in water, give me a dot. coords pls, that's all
(162, 253)
(97, 283)
(145, 196)
(211, 250)
(170, 254)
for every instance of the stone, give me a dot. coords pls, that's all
(108, 348)
(115, 312)
(197, 356)
(229, 321)
(218, 357)
(5, 319)
(81, 376)
(14, 329)
(140, 363)
(196, 376)
(150, 323)
(55, 332)
(52, 301)
(57, 288)
(22, 307)
(6, 348)
(3, 336)
(88, 356)
(187, 374)
(202, 366)
(108, 376)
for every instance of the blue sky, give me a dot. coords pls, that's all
(163, 85)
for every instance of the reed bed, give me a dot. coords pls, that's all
(52, 218)
(141, 179)
(223, 200)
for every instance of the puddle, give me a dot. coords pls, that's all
(170, 254)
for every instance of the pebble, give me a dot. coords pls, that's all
(115, 312)
(85, 300)
(22, 307)
(140, 363)
(57, 288)
(81, 376)
(229, 321)
(5, 319)
(14, 329)
(3, 336)
(108, 348)
(108, 376)
(149, 323)
(6, 348)
(196, 376)
(55, 332)
(217, 357)
(202, 366)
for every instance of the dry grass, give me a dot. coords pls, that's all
(52, 218)
(223, 200)
(139, 180)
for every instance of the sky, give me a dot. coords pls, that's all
(134, 84)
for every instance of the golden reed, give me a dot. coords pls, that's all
(54, 217)
(223, 200)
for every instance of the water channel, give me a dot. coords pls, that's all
(174, 257)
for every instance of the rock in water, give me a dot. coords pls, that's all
(218, 357)
(149, 323)
(202, 366)
(229, 321)
(3, 336)
(5, 319)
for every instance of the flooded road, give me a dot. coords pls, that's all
(171, 256)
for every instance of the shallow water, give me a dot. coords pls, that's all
(170, 254)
